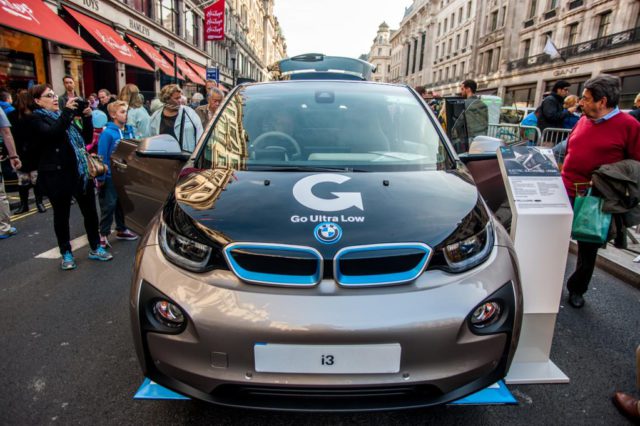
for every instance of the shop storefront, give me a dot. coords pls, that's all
(118, 64)
(25, 28)
(144, 37)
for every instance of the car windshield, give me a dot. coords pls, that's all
(324, 125)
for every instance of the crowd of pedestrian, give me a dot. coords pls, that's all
(48, 141)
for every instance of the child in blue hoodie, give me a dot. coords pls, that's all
(108, 198)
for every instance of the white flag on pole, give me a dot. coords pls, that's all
(551, 49)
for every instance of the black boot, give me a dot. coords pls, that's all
(23, 191)
(39, 203)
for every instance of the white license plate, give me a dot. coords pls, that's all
(327, 359)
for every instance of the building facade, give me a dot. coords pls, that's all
(146, 42)
(380, 54)
(500, 44)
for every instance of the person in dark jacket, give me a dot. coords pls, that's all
(62, 168)
(104, 99)
(28, 173)
(552, 112)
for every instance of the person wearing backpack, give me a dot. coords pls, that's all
(110, 137)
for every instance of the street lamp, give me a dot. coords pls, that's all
(233, 53)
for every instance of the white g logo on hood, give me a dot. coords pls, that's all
(302, 192)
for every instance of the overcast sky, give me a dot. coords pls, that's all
(335, 27)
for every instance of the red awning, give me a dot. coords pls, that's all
(191, 74)
(169, 57)
(201, 71)
(34, 17)
(110, 40)
(160, 61)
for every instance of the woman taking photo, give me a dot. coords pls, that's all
(175, 119)
(62, 168)
(137, 116)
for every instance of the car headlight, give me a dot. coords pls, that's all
(182, 251)
(470, 252)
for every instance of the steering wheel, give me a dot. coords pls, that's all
(280, 137)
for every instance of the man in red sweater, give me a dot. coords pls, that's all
(603, 135)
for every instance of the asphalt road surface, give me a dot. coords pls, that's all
(67, 358)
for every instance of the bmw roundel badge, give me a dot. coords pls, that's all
(328, 232)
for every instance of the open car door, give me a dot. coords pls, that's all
(144, 173)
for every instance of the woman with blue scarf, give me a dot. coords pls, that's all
(62, 168)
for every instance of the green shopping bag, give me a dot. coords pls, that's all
(590, 223)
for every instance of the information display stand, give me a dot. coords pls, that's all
(540, 230)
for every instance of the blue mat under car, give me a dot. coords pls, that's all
(498, 393)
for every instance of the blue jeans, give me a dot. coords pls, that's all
(110, 206)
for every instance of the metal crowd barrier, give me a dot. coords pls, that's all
(515, 134)
(552, 136)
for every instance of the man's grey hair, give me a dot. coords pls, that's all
(604, 85)
(216, 91)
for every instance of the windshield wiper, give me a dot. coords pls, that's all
(304, 169)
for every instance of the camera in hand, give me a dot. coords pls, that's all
(82, 104)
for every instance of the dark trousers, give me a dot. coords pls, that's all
(578, 282)
(61, 203)
(110, 206)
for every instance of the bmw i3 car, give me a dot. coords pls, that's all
(322, 248)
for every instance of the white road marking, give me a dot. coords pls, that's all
(54, 253)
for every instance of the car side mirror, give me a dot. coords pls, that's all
(161, 146)
(485, 145)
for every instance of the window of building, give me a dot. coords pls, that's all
(449, 46)
(167, 14)
(462, 69)
(460, 16)
(604, 25)
(440, 74)
(466, 38)
(498, 51)
(415, 55)
(446, 73)
(544, 37)
(469, 9)
(494, 21)
(573, 34)
(503, 16)
(192, 28)
(489, 65)
(437, 51)
(552, 4)
(435, 75)
(142, 6)
(453, 19)
(453, 71)
(422, 43)
(379, 51)
(457, 42)
(439, 28)
(532, 8)
(526, 48)
(446, 22)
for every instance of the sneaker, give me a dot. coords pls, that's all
(12, 231)
(104, 242)
(127, 235)
(67, 261)
(100, 254)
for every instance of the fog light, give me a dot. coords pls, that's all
(168, 313)
(485, 314)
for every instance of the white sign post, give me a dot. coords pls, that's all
(540, 230)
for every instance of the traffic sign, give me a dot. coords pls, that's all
(213, 74)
